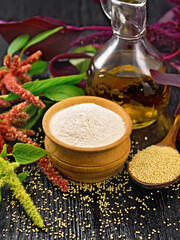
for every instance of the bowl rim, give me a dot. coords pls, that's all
(86, 99)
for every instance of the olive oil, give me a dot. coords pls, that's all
(139, 95)
(120, 70)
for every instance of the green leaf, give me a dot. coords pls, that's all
(63, 92)
(23, 175)
(18, 43)
(27, 153)
(40, 37)
(10, 97)
(4, 151)
(37, 114)
(31, 109)
(40, 87)
(32, 120)
(85, 49)
(38, 67)
(3, 67)
(81, 64)
(0, 195)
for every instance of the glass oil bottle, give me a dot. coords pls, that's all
(120, 71)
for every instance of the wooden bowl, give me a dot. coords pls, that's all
(85, 177)
(85, 169)
(88, 164)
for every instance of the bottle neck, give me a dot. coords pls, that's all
(128, 18)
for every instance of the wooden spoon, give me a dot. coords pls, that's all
(168, 141)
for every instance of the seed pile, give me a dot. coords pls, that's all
(156, 164)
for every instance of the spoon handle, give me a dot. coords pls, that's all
(171, 137)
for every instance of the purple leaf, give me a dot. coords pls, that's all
(176, 65)
(173, 13)
(165, 78)
(167, 16)
(60, 65)
(58, 43)
(32, 26)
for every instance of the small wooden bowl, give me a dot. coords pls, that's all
(70, 160)
(85, 169)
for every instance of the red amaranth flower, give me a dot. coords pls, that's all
(52, 174)
(12, 79)
(9, 132)
(13, 113)
(4, 104)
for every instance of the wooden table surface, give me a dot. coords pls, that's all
(114, 209)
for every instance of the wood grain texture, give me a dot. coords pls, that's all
(89, 160)
(113, 209)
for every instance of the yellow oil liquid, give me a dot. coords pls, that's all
(139, 95)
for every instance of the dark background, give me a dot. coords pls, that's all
(115, 209)
(73, 12)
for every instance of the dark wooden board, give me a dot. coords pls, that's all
(113, 209)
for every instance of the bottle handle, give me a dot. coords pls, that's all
(106, 6)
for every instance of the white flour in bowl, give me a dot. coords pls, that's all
(87, 125)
